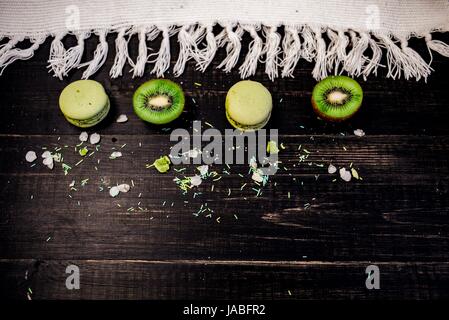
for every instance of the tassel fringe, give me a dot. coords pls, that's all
(62, 60)
(291, 45)
(206, 55)
(332, 51)
(271, 51)
(121, 56)
(233, 47)
(100, 56)
(9, 54)
(249, 65)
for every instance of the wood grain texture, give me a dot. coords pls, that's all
(305, 233)
(206, 279)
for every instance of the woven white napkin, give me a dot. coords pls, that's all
(338, 36)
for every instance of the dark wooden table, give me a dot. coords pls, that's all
(314, 244)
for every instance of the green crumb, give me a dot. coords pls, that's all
(355, 174)
(162, 164)
(272, 147)
(83, 151)
(66, 168)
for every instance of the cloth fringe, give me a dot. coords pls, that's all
(99, 58)
(249, 65)
(9, 54)
(62, 60)
(357, 53)
(121, 54)
(206, 55)
(271, 51)
(291, 45)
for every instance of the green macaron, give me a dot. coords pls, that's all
(248, 105)
(84, 103)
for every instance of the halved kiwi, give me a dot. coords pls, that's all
(337, 98)
(158, 101)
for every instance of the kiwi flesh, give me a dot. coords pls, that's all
(337, 98)
(159, 101)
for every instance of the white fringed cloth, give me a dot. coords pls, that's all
(346, 36)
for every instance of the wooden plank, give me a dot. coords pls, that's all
(387, 155)
(398, 212)
(391, 106)
(118, 279)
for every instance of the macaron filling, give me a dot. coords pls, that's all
(246, 127)
(90, 121)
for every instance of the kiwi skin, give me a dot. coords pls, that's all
(158, 88)
(325, 116)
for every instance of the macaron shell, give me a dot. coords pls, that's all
(248, 102)
(83, 99)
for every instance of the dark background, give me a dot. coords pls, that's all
(279, 247)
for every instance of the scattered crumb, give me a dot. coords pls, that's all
(83, 136)
(331, 169)
(30, 156)
(345, 174)
(122, 118)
